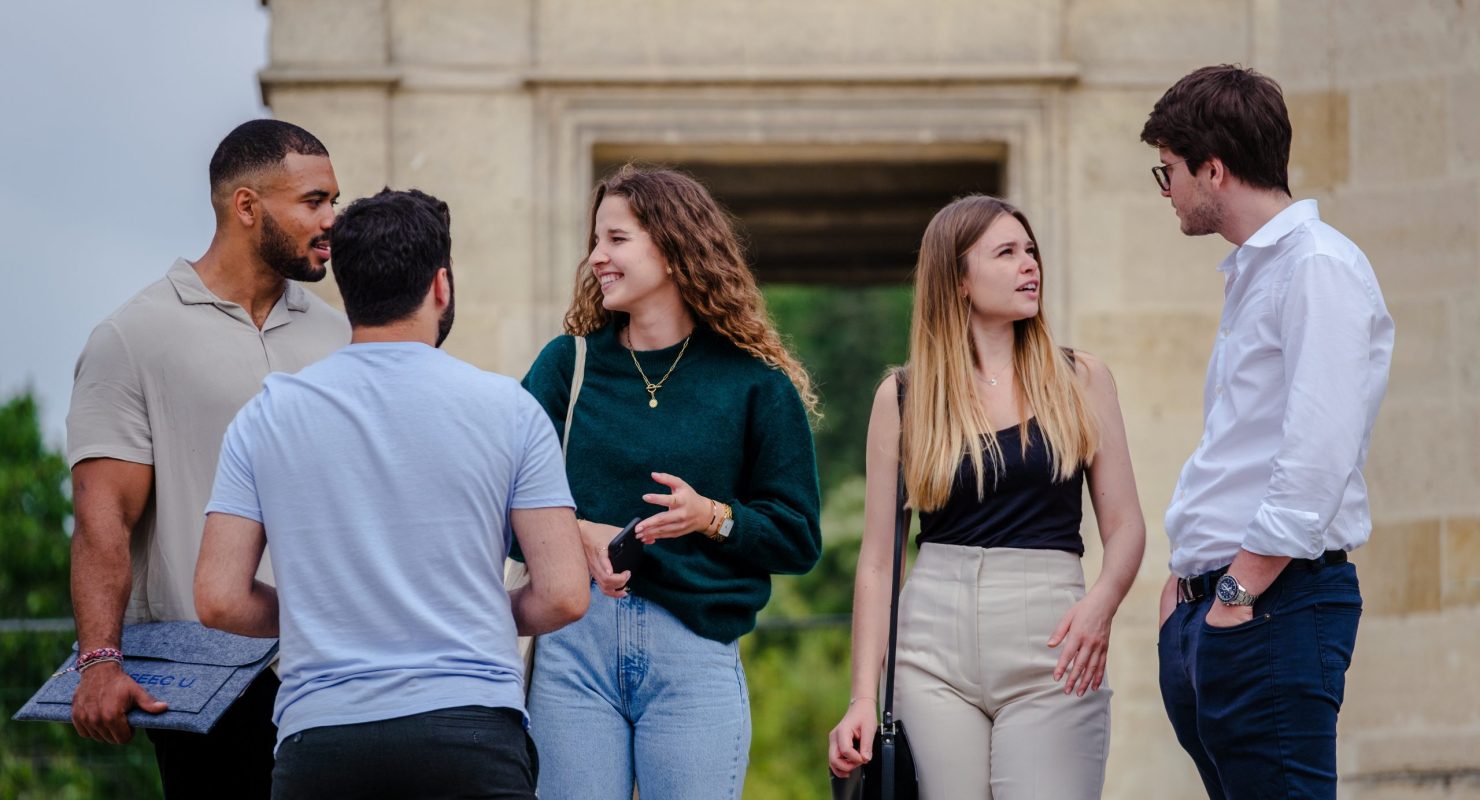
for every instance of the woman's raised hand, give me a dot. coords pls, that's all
(688, 511)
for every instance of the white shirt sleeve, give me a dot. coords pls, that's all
(1327, 317)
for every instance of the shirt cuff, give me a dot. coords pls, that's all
(1286, 532)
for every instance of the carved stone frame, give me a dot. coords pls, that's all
(1022, 120)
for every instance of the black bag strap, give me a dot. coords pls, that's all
(901, 534)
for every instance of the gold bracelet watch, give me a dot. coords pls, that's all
(726, 524)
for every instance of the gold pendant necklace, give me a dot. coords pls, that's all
(652, 388)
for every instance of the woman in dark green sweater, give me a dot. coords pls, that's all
(691, 415)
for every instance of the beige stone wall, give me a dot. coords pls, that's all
(1400, 100)
(496, 105)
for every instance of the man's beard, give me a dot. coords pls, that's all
(277, 251)
(1202, 216)
(444, 323)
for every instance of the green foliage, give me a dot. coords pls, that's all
(798, 676)
(797, 661)
(48, 760)
(42, 759)
(846, 337)
(33, 510)
(798, 691)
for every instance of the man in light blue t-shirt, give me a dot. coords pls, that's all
(387, 479)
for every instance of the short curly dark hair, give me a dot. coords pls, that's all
(1229, 112)
(387, 250)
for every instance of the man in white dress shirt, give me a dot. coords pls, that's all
(1259, 616)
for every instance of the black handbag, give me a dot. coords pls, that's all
(890, 774)
(893, 765)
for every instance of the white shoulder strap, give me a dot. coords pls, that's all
(578, 376)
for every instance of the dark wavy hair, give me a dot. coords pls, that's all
(387, 250)
(1234, 114)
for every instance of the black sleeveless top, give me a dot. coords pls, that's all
(1025, 507)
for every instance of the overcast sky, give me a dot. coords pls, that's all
(109, 113)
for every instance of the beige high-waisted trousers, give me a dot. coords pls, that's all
(975, 685)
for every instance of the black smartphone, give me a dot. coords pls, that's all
(625, 550)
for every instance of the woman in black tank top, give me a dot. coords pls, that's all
(1002, 651)
(1024, 505)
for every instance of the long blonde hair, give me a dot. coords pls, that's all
(942, 418)
(698, 242)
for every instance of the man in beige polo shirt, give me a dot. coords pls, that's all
(156, 386)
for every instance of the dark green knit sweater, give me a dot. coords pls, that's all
(728, 424)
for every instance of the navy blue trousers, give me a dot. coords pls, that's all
(1255, 705)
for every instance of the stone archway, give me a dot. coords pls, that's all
(933, 145)
(838, 214)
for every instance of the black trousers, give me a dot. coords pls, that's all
(233, 760)
(468, 751)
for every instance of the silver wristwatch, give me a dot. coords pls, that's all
(1232, 593)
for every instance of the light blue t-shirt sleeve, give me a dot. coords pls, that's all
(540, 480)
(235, 490)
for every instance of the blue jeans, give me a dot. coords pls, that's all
(1255, 705)
(628, 693)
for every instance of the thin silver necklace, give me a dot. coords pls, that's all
(992, 379)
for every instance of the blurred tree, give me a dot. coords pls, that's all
(34, 509)
(45, 760)
(847, 337)
(797, 661)
(799, 676)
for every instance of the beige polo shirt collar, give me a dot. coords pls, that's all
(193, 291)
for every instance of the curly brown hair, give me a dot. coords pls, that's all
(697, 239)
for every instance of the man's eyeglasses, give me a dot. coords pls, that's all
(1162, 173)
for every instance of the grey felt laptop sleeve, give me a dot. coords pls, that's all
(199, 671)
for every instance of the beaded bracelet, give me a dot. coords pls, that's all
(92, 657)
(100, 660)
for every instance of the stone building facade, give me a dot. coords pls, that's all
(506, 108)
